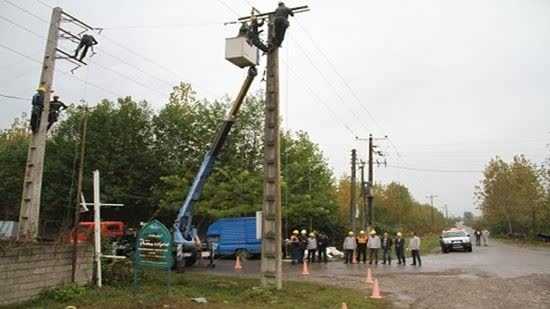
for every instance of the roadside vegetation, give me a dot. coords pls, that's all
(514, 198)
(220, 292)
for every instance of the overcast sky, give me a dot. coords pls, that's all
(452, 83)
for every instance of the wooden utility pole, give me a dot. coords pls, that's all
(32, 186)
(76, 220)
(352, 201)
(271, 212)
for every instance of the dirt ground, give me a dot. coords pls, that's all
(498, 276)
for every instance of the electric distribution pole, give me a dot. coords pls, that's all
(370, 182)
(363, 195)
(431, 197)
(32, 183)
(271, 265)
(32, 186)
(352, 202)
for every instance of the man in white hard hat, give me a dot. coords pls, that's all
(373, 245)
(349, 246)
(400, 249)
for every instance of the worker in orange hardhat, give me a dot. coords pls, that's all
(295, 247)
(349, 246)
(362, 240)
(37, 107)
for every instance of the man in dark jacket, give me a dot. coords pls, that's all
(400, 249)
(86, 42)
(253, 34)
(303, 245)
(322, 244)
(295, 247)
(280, 22)
(55, 107)
(37, 107)
(387, 243)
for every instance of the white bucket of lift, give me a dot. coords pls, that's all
(240, 53)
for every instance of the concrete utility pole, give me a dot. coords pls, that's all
(352, 202)
(431, 197)
(271, 227)
(363, 195)
(271, 265)
(370, 196)
(32, 186)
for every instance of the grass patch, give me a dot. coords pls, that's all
(429, 244)
(525, 242)
(221, 292)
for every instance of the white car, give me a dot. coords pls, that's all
(455, 239)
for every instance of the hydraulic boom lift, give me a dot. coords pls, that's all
(184, 233)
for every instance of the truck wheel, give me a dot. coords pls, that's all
(243, 253)
(190, 261)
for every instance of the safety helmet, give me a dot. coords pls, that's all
(304, 232)
(281, 3)
(361, 232)
(41, 88)
(373, 232)
(350, 233)
(399, 234)
(311, 234)
(55, 97)
(295, 232)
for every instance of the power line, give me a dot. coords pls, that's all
(433, 170)
(229, 7)
(13, 97)
(26, 11)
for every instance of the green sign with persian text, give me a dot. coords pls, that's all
(154, 246)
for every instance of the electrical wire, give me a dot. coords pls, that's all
(13, 97)
(433, 170)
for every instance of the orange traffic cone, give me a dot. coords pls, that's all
(238, 263)
(305, 271)
(344, 306)
(369, 277)
(376, 290)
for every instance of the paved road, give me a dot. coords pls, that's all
(498, 276)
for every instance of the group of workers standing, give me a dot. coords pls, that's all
(358, 246)
(315, 243)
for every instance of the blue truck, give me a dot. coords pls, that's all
(236, 236)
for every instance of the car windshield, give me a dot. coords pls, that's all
(454, 234)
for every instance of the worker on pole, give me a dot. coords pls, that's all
(280, 22)
(86, 42)
(56, 107)
(253, 34)
(37, 107)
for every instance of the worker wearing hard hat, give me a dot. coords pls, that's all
(387, 243)
(362, 240)
(37, 107)
(303, 245)
(349, 247)
(400, 249)
(373, 245)
(294, 246)
(311, 247)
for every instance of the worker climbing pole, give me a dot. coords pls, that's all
(271, 265)
(43, 115)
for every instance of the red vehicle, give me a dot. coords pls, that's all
(109, 229)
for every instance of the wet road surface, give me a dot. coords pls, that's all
(498, 276)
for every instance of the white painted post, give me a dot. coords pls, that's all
(97, 226)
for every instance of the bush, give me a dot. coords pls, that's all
(117, 272)
(65, 293)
